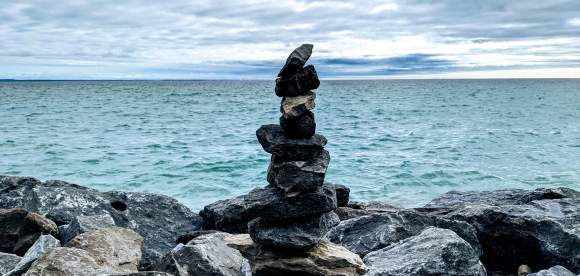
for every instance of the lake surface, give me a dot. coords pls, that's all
(399, 141)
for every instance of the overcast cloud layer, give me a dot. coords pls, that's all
(251, 39)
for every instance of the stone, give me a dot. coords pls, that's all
(115, 247)
(369, 233)
(65, 261)
(299, 84)
(342, 195)
(359, 209)
(204, 255)
(62, 202)
(296, 60)
(83, 224)
(293, 107)
(299, 235)
(325, 259)
(8, 262)
(302, 127)
(42, 245)
(274, 141)
(20, 228)
(296, 177)
(233, 215)
(554, 271)
(524, 270)
(434, 251)
(140, 273)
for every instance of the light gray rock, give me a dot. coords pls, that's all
(553, 271)
(293, 107)
(434, 251)
(82, 224)
(204, 255)
(42, 245)
(19, 229)
(8, 262)
(66, 261)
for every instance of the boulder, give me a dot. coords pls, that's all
(293, 107)
(65, 261)
(342, 195)
(299, 84)
(369, 233)
(140, 273)
(359, 209)
(300, 235)
(233, 215)
(82, 224)
(434, 251)
(302, 127)
(42, 245)
(8, 262)
(325, 259)
(274, 141)
(296, 177)
(204, 255)
(553, 271)
(116, 248)
(296, 60)
(19, 229)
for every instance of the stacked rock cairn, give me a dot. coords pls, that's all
(298, 164)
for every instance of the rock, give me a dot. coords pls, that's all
(293, 107)
(42, 245)
(274, 141)
(115, 247)
(302, 127)
(203, 255)
(8, 262)
(434, 251)
(342, 195)
(369, 233)
(190, 236)
(140, 273)
(301, 234)
(554, 271)
(524, 270)
(83, 224)
(233, 215)
(299, 84)
(65, 261)
(359, 209)
(296, 60)
(19, 229)
(62, 202)
(296, 177)
(325, 259)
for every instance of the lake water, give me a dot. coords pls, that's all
(399, 141)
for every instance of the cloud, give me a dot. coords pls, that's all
(250, 39)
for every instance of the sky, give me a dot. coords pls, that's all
(251, 39)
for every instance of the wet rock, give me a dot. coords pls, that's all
(300, 234)
(325, 259)
(42, 245)
(233, 215)
(296, 60)
(295, 177)
(116, 248)
(342, 195)
(8, 262)
(369, 233)
(299, 84)
(65, 261)
(553, 271)
(434, 251)
(274, 141)
(83, 224)
(359, 209)
(293, 107)
(203, 255)
(19, 229)
(302, 127)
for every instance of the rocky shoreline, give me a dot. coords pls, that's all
(60, 228)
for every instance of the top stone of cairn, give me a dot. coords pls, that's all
(296, 60)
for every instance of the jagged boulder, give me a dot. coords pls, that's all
(42, 245)
(553, 271)
(82, 224)
(19, 229)
(275, 141)
(296, 177)
(434, 251)
(8, 262)
(140, 273)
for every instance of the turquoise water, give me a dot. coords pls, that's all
(403, 141)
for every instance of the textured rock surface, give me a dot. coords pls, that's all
(233, 215)
(140, 273)
(299, 84)
(358, 209)
(19, 229)
(274, 141)
(65, 261)
(365, 234)
(295, 177)
(553, 271)
(115, 247)
(292, 107)
(325, 259)
(342, 195)
(8, 262)
(434, 251)
(296, 60)
(301, 234)
(302, 127)
(203, 255)
(83, 224)
(42, 245)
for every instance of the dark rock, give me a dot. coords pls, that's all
(299, 127)
(19, 229)
(42, 245)
(274, 141)
(301, 234)
(296, 177)
(233, 215)
(293, 107)
(82, 224)
(372, 232)
(8, 262)
(299, 84)
(190, 236)
(140, 273)
(342, 195)
(296, 60)
(203, 255)
(359, 209)
(434, 251)
(554, 271)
